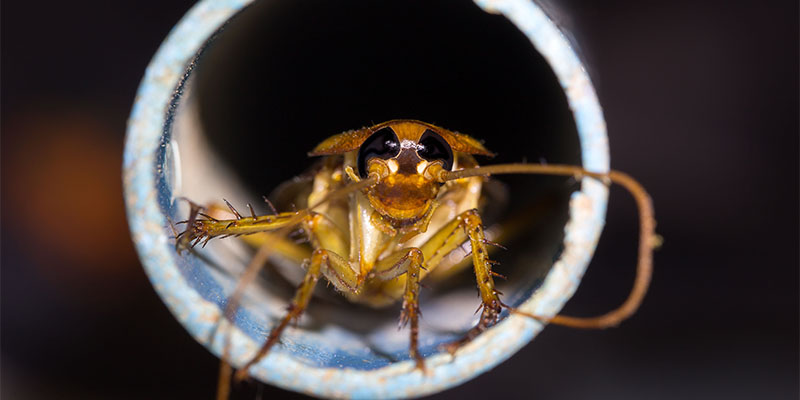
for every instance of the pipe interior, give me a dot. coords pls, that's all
(281, 76)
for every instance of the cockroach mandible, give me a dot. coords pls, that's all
(387, 185)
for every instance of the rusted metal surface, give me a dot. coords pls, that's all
(146, 189)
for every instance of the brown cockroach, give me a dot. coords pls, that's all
(386, 206)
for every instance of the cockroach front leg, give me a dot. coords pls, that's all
(408, 261)
(445, 240)
(204, 225)
(201, 227)
(491, 306)
(321, 260)
(325, 261)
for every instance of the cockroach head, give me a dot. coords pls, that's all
(408, 157)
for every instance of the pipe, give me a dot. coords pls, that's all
(209, 101)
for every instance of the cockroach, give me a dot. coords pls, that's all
(380, 220)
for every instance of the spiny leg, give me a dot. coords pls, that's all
(390, 268)
(211, 228)
(500, 232)
(329, 240)
(285, 247)
(319, 231)
(202, 227)
(284, 226)
(267, 230)
(448, 238)
(411, 309)
(319, 259)
(648, 240)
(491, 306)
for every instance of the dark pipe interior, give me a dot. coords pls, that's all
(284, 75)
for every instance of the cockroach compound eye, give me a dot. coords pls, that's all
(382, 144)
(307, 292)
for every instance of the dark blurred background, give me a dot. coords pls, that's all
(701, 101)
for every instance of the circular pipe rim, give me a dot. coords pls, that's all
(146, 128)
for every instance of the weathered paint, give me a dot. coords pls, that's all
(148, 126)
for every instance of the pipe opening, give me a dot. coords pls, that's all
(282, 76)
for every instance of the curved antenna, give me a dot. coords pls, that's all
(647, 236)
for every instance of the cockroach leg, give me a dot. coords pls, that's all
(401, 171)
(202, 226)
(391, 267)
(296, 307)
(491, 305)
(411, 311)
(336, 269)
(281, 225)
(648, 239)
(489, 315)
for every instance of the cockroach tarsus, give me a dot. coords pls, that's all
(394, 187)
